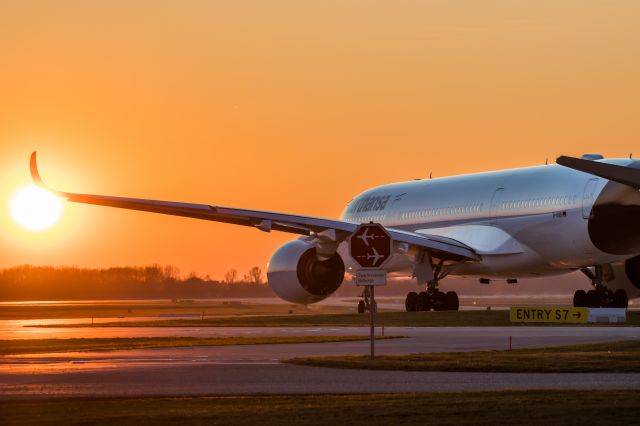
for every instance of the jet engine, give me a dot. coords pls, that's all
(296, 274)
(626, 276)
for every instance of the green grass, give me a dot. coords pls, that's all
(615, 357)
(144, 308)
(14, 347)
(566, 407)
(390, 319)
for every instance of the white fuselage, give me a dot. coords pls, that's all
(523, 222)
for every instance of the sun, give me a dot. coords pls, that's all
(35, 209)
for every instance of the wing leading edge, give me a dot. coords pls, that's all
(335, 230)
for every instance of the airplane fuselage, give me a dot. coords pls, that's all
(524, 222)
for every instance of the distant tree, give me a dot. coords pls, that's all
(171, 273)
(153, 274)
(193, 278)
(255, 275)
(231, 276)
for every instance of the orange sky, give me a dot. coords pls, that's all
(290, 106)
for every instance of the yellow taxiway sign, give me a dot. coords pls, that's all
(546, 314)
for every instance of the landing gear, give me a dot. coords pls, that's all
(364, 305)
(411, 302)
(600, 296)
(424, 302)
(436, 300)
(620, 299)
(580, 299)
(432, 299)
(451, 301)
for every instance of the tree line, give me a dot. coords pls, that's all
(164, 282)
(29, 282)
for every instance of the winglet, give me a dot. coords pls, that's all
(35, 175)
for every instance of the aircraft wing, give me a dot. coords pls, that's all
(324, 229)
(621, 174)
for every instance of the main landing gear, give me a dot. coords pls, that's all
(432, 299)
(365, 304)
(600, 296)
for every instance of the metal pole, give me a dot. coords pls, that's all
(372, 310)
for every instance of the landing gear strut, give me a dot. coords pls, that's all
(600, 296)
(433, 298)
(364, 305)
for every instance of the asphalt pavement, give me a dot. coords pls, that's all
(258, 369)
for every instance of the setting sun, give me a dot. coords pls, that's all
(35, 209)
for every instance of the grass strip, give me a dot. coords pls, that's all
(151, 308)
(15, 347)
(390, 319)
(566, 407)
(614, 357)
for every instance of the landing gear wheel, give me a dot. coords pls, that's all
(580, 299)
(595, 298)
(361, 307)
(423, 301)
(428, 304)
(439, 301)
(620, 299)
(451, 301)
(411, 301)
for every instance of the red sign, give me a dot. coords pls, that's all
(370, 245)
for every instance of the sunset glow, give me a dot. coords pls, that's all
(292, 107)
(35, 209)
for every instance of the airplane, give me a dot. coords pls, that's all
(580, 214)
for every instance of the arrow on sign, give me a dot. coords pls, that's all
(577, 315)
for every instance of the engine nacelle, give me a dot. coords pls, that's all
(626, 277)
(296, 275)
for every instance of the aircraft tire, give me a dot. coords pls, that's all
(594, 299)
(422, 303)
(452, 303)
(620, 299)
(439, 301)
(411, 301)
(580, 299)
(361, 307)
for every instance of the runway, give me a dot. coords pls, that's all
(258, 369)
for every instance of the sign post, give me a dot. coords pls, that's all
(370, 246)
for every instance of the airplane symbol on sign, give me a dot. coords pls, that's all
(375, 256)
(365, 237)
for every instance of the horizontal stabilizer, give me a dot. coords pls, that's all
(621, 174)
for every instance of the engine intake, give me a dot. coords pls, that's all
(296, 274)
